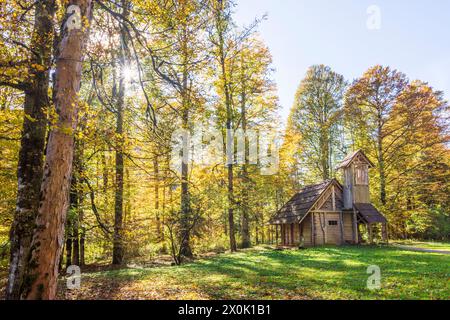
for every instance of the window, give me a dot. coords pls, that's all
(361, 176)
(332, 223)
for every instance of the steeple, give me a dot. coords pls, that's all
(356, 178)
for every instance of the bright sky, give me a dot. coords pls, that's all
(414, 37)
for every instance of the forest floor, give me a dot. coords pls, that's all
(265, 273)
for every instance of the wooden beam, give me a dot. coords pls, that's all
(300, 235)
(355, 228)
(276, 235)
(292, 235)
(282, 234)
(313, 231)
(341, 220)
(384, 232)
(333, 198)
(369, 228)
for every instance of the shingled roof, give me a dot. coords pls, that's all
(348, 159)
(370, 213)
(300, 204)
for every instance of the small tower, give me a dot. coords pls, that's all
(356, 179)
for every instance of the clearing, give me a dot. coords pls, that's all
(265, 273)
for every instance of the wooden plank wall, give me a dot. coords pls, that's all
(348, 226)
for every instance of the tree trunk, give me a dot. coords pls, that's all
(245, 230)
(42, 271)
(46, 246)
(185, 250)
(220, 24)
(325, 153)
(73, 228)
(186, 213)
(118, 249)
(381, 167)
(69, 245)
(157, 216)
(118, 252)
(30, 166)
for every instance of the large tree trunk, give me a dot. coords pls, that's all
(185, 249)
(229, 117)
(325, 153)
(30, 166)
(118, 252)
(118, 249)
(48, 238)
(69, 244)
(245, 229)
(186, 213)
(73, 228)
(381, 166)
(157, 213)
(229, 152)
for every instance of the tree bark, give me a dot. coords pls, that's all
(186, 213)
(245, 230)
(118, 249)
(157, 215)
(69, 245)
(48, 238)
(229, 117)
(74, 227)
(118, 252)
(31, 154)
(381, 166)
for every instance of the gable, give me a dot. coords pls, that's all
(356, 157)
(328, 202)
(296, 209)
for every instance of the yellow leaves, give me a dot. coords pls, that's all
(30, 118)
(38, 67)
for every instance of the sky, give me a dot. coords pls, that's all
(412, 36)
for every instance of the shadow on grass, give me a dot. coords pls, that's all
(319, 273)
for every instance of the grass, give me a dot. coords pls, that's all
(444, 246)
(263, 273)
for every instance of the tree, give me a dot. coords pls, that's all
(220, 35)
(119, 98)
(402, 127)
(46, 245)
(369, 103)
(30, 167)
(316, 118)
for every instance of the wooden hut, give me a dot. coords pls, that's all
(331, 212)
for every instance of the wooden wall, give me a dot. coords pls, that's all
(354, 193)
(307, 231)
(327, 209)
(348, 226)
(361, 194)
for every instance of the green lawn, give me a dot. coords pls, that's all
(322, 273)
(445, 246)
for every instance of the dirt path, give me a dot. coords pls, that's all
(421, 249)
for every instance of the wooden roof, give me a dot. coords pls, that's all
(348, 159)
(298, 207)
(369, 213)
